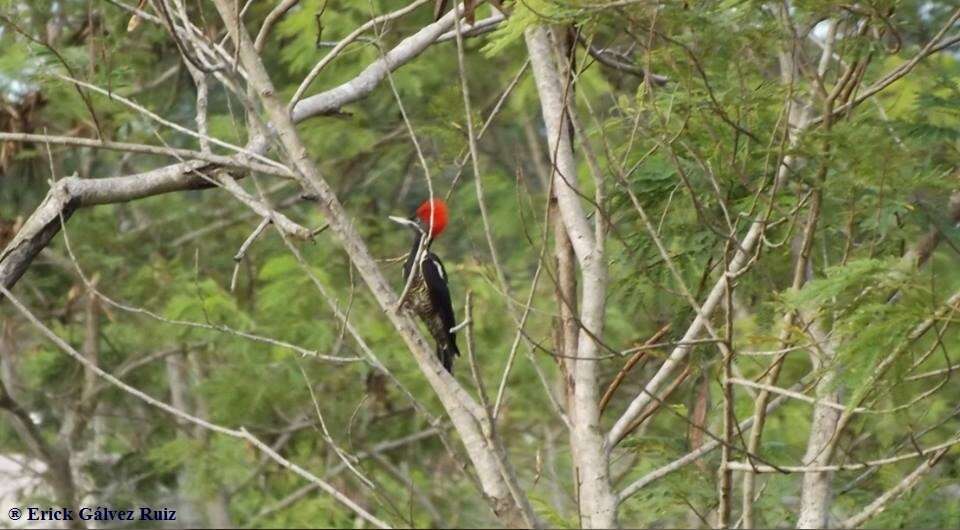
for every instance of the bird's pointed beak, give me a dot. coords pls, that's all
(406, 222)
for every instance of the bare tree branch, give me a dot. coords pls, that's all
(240, 433)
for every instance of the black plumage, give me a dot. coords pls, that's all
(429, 298)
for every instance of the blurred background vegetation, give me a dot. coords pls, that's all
(891, 169)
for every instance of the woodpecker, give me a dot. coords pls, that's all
(428, 295)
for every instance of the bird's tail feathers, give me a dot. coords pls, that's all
(446, 352)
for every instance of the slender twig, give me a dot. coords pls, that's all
(175, 126)
(271, 19)
(180, 154)
(347, 459)
(644, 481)
(471, 357)
(622, 374)
(332, 54)
(935, 44)
(881, 502)
(240, 433)
(238, 257)
(743, 466)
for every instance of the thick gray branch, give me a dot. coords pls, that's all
(70, 194)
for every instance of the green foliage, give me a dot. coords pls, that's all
(550, 515)
(700, 153)
(856, 298)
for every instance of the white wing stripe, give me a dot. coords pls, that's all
(439, 269)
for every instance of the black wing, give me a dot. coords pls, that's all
(435, 276)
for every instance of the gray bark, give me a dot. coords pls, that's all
(597, 501)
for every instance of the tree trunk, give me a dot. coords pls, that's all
(597, 502)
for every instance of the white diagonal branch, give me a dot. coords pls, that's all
(464, 412)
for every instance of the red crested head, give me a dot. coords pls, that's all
(433, 215)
